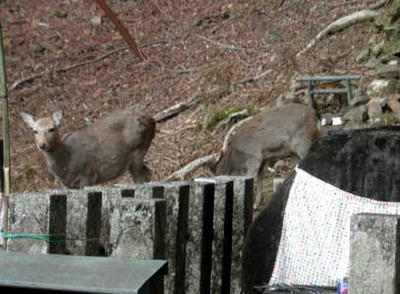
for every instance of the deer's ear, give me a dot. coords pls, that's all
(57, 117)
(28, 119)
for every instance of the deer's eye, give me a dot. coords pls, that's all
(35, 132)
(51, 130)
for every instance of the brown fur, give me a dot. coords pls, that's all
(270, 135)
(97, 153)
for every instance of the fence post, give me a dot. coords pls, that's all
(227, 242)
(181, 240)
(207, 238)
(57, 226)
(83, 221)
(348, 88)
(309, 94)
(248, 203)
(93, 225)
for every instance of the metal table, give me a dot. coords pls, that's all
(66, 273)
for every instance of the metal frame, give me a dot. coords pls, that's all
(318, 79)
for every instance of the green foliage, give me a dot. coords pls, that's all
(215, 115)
(275, 37)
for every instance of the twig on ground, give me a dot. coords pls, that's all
(176, 109)
(227, 46)
(180, 107)
(73, 66)
(208, 160)
(192, 166)
(341, 24)
(64, 69)
(236, 116)
(255, 78)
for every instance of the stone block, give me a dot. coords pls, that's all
(374, 254)
(31, 215)
(109, 200)
(375, 107)
(394, 104)
(83, 221)
(138, 228)
(111, 196)
(388, 71)
(357, 114)
(223, 206)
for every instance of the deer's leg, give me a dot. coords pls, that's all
(262, 172)
(254, 167)
(139, 171)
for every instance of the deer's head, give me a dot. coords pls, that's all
(44, 129)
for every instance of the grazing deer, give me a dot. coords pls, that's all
(97, 153)
(270, 135)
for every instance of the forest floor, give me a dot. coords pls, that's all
(192, 48)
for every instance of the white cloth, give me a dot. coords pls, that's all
(315, 240)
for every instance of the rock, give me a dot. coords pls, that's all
(359, 99)
(375, 107)
(372, 62)
(60, 13)
(363, 56)
(388, 71)
(378, 48)
(383, 87)
(96, 24)
(357, 114)
(376, 87)
(387, 58)
(394, 104)
(96, 20)
(38, 48)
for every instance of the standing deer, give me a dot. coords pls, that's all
(270, 135)
(97, 153)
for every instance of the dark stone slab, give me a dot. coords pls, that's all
(78, 274)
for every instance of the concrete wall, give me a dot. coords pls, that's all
(198, 226)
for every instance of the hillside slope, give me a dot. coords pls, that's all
(201, 48)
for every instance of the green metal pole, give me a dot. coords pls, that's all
(6, 133)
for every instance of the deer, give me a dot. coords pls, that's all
(100, 152)
(280, 132)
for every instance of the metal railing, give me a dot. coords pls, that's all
(318, 80)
